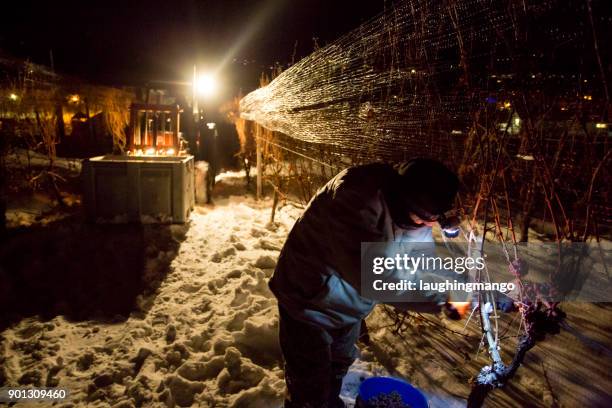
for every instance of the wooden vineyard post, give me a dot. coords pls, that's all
(259, 161)
(274, 204)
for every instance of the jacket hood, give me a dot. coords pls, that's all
(425, 187)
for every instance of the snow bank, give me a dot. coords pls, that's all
(22, 158)
(209, 337)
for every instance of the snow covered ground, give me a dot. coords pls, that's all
(208, 334)
(22, 158)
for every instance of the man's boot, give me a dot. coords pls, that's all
(334, 391)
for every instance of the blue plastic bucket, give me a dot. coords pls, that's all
(374, 386)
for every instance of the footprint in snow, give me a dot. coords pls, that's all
(265, 262)
(219, 256)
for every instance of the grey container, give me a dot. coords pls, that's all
(148, 189)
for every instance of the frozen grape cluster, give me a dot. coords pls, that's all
(387, 400)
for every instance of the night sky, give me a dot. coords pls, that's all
(132, 42)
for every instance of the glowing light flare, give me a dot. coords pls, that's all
(205, 85)
(256, 23)
(13, 97)
(601, 125)
(149, 152)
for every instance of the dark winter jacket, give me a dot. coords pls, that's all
(317, 278)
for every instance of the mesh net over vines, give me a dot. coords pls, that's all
(511, 93)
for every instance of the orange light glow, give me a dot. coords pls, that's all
(462, 307)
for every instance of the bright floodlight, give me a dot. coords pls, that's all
(205, 85)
